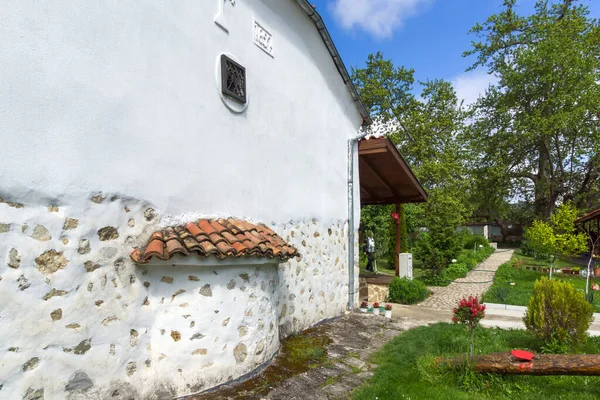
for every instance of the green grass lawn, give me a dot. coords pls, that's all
(524, 279)
(400, 361)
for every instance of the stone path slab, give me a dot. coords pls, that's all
(354, 338)
(477, 282)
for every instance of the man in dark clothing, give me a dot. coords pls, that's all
(370, 251)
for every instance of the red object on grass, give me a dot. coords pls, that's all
(522, 355)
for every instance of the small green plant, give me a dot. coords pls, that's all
(500, 293)
(433, 278)
(474, 241)
(469, 312)
(557, 312)
(555, 346)
(406, 291)
(454, 271)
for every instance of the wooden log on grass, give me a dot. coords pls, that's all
(542, 364)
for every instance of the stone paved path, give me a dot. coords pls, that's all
(354, 338)
(477, 282)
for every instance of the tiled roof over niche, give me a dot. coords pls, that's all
(222, 238)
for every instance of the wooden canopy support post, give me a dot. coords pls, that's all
(396, 256)
(542, 364)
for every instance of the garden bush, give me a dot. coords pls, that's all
(406, 291)
(454, 271)
(466, 257)
(557, 313)
(482, 253)
(471, 241)
(434, 278)
(527, 250)
(436, 251)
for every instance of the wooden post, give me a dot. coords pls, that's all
(396, 257)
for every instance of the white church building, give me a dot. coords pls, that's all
(180, 186)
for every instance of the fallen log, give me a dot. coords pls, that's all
(542, 364)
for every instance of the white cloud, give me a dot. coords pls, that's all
(377, 17)
(470, 85)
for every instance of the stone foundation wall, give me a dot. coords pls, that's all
(315, 286)
(81, 320)
(373, 292)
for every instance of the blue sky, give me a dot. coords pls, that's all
(427, 35)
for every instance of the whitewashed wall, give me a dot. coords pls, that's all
(123, 97)
(110, 114)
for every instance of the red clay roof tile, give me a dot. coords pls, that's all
(222, 238)
(206, 226)
(193, 229)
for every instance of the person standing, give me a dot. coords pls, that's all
(370, 251)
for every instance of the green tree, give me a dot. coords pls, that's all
(536, 131)
(443, 213)
(428, 131)
(559, 237)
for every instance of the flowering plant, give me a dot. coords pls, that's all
(517, 263)
(388, 307)
(595, 286)
(364, 304)
(469, 312)
(376, 305)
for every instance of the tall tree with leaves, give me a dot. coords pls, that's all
(428, 133)
(537, 131)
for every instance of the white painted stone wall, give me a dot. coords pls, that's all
(112, 125)
(86, 322)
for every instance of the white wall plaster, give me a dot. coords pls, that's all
(122, 96)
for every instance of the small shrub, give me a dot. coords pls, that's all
(474, 241)
(432, 278)
(527, 250)
(505, 273)
(467, 258)
(554, 346)
(500, 294)
(557, 313)
(455, 271)
(406, 291)
(482, 253)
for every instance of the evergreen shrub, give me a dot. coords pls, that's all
(557, 313)
(406, 291)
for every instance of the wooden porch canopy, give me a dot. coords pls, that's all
(591, 222)
(385, 177)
